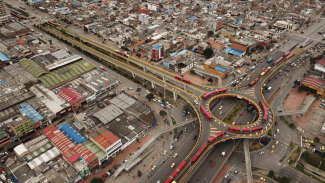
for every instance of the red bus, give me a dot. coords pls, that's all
(256, 129)
(52, 23)
(265, 111)
(208, 116)
(234, 129)
(211, 140)
(222, 90)
(195, 157)
(22, 7)
(202, 149)
(220, 134)
(205, 96)
(289, 56)
(174, 174)
(278, 61)
(214, 92)
(202, 108)
(169, 180)
(182, 165)
(286, 54)
(246, 130)
(183, 79)
(267, 69)
(254, 82)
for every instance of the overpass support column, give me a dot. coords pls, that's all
(219, 81)
(144, 69)
(152, 85)
(116, 66)
(248, 162)
(133, 75)
(128, 61)
(175, 96)
(185, 87)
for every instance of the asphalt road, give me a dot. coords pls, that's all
(208, 172)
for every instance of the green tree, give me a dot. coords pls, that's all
(210, 80)
(162, 113)
(96, 180)
(210, 33)
(217, 35)
(316, 139)
(208, 52)
(192, 71)
(150, 96)
(285, 179)
(139, 173)
(271, 174)
(291, 125)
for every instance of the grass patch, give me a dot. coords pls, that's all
(309, 174)
(295, 154)
(313, 160)
(255, 169)
(174, 123)
(234, 112)
(41, 40)
(255, 146)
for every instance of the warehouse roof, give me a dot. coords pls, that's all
(33, 68)
(71, 95)
(108, 114)
(45, 157)
(30, 112)
(71, 133)
(3, 57)
(58, 138)
(104, 137)
(313, 82)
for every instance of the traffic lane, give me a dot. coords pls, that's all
(247, 116)
(227, 104)
(184, 147)
(207, 171)
(295, 175)
(267, 180)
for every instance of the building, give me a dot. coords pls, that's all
(218, 24)
(14, 29)
(157, 53)
(24, 50)
(4, 13)
(4, 137)
(320, 66)
(21, 125)
(216, 44)
(75, 99)
(4, 60)
(218, 66)
(312, 83)
(32, 114)
(71, 133)
(106, 141)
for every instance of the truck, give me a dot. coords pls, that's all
(177, 136)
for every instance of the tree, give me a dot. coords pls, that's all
(210, 33)
(210, 80)
(162, 113)
(300, 90)
(316, 139)
(285, 179)
(271, 174)
(217, 35)
(192, 71)
(138, 55)
(291, 125)
(96, 180)
(208, 52)
(139, 173)
(150, 96)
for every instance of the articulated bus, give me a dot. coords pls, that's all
(262, 74)
(267, 69)
(279, 60)
(246, 130)
(234, 129)
(254, 82)
(202, 108)
(265, 111)
(53, 23)
(214, 92)
(289, 56)
(176, 172)
(217, 136)
(286, 54)
(256, 129)
(206, 113)
(183, 79)
(22, 7)
(198, 154)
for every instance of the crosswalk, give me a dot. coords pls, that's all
(250, 92)
(213, 130)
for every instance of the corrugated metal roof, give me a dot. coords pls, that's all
(72, 133)
(71, 95)
(313, 82)
(104, 137)
(33, 68)
(30, 112)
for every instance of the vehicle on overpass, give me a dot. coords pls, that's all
(206, 113)
(217, 136)
(183, 79)
(214, 92)
(251, 84)
(245, 130)
(265, 111)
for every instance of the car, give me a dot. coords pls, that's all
(165, 107)
(276, 142)
(102, 179)
(159, 181)
(277, 131)
(111, 171)
(313, 145)
(154, 167)
(322, 100)
(273, 147)
(276, 123)
(241, 113)
(175, 155)
(311, 141)
(236, 171)
(313, 150)
(130, 88)
(223, 153)
(181, 132)
(307, 144)
(212, 164)
(162, 105)
(280, 74)
(271, 152)
(98, 170)
(172, 165)
(275, 77)
(227, 175)
(306, 147)
(294, 69)
(194, 137)
(220, 113)
(228, 181)
(196, 102)
(104, 175)
(220, 107)
(262, 179)
(261, 153)
(139, 140)
(274, 136)
(165, 152)
(269, 88)
(171, 133)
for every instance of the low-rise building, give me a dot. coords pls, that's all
(14, 29)
(4, 137)
(76, 100)
(21, 125)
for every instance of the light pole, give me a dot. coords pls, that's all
(206, 179)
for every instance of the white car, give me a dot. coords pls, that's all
(277, 131)
(196, 102)
(223, 153)
(220, 107)
(261, 153)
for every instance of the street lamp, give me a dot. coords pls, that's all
(206, 179)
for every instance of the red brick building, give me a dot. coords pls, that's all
(143, 10)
